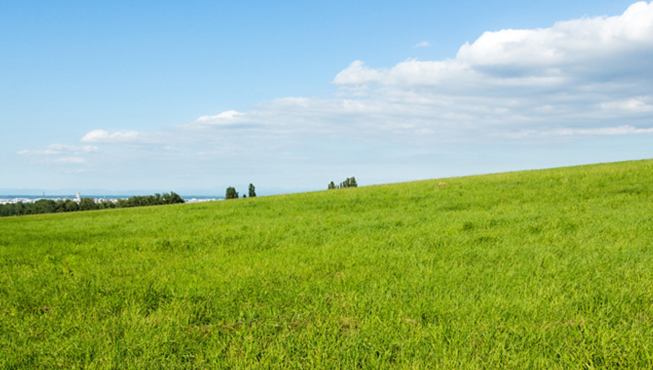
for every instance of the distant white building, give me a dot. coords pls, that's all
(78, 198)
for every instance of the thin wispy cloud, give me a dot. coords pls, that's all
(225, 118)
(422, 44)
(60, 153)
(606, 131)
(61, 149)
(102, 136)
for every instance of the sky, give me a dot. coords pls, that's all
(197, 96)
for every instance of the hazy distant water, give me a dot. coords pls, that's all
(31, 198)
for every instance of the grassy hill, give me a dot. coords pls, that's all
(540, 269)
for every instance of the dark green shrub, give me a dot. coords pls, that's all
(231, 193)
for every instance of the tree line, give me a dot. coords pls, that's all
(233, 194)
(350, 182)
(85, 204)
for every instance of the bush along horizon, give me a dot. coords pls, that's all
(350, 182)
(86, 204)
(231, 192)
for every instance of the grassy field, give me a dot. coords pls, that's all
(548, 269)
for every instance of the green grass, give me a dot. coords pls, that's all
(548, 269)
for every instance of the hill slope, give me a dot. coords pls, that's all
(538, 269)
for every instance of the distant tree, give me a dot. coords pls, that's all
(44, 206)
(87, 204)
(6, 210)
(244, 196)
(165, 199)
(60, 206)
(175, 198)
(134, 201)
(19, 208)
(350, 182)
(231, 193)
(252, 191)
(138, 201)
(9, 209)
(13, 209)
(150, 200)
(106, 204)
(71, 206)
(331, 186)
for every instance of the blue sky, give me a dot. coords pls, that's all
(198, 96)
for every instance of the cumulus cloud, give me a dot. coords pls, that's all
(576, 74)
(582, 50)
(566, 45)
(578, 78)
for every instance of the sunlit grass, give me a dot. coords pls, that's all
(541, 269)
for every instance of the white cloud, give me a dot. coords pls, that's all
(579, 73)
(580, 132)
(589, 76)
(633, 105)
(60, 149)
(60, 154)
(422, 44)
(229, 117)
(70, 160)
(553, 56)
(605, 131)
(587, 46)
(102, 136)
